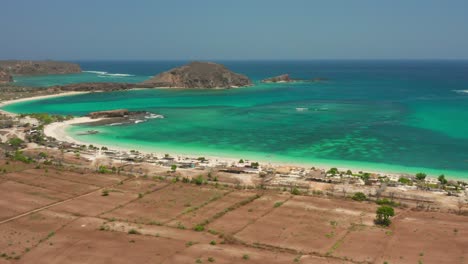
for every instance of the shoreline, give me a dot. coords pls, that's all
(57, 130)
(33, 98)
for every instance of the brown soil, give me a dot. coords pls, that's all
(165, 204)
(58, 216)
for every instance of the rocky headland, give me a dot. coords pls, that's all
(21, 67)
(199, 75)
(5, 77)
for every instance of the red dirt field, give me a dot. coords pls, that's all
(46, 179)
(192, 218)
(82, 242)
(140, 221)
(165, 204)
(17, 198)
(307, 224)
(23, 234)
(234, 221)
(98, 180)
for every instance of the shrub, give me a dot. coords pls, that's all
(295, 191)
(103, 169)
(359, 196)
(245, 257)
(15, 142)
(278, 204)
(386, 201)
(19, 156)
(213, 242)
(199, 228)
(404, 180)
(133, 231)
(105, 193)
(198, 180)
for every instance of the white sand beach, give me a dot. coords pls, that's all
(5, 103)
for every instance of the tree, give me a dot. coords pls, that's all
(254, 165)
(359, 196)
(333, 171)
(383, 215)
(173, 168)
(421, 176)
(241, 161)
(442, 179)
(349, 172)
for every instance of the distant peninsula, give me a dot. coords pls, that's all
(199, 75)
(23, 67)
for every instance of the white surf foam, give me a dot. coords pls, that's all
(106, 74)
(153, 116)
(461, 91)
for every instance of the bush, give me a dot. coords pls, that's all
(295, 191)
(388, 202)
(19, 156)
(198, 180)
(359, 196)
(404, 181)
(105, 193)
(133, 232)
(103, 170)
(199, 228)
(278, 204)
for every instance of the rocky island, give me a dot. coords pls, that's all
(199, 75)
(278, 79)
(20, 67)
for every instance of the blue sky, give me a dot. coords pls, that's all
(241, 29)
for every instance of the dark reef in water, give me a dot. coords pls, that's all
(285, 78)
(120, 117)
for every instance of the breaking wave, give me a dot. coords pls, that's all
(106, 74)
(461, 91)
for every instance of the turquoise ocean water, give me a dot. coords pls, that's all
(396, 116)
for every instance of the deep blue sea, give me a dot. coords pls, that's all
(398, 116)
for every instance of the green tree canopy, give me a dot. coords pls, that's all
(421, 176)
(383, 215)
(442, 179)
